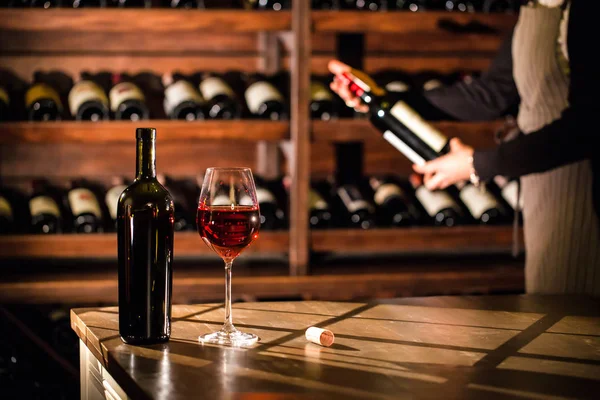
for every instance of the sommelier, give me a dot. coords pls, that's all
(546, 67)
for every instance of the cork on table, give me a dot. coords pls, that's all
(488, 347)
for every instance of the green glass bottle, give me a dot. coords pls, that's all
(145, 216)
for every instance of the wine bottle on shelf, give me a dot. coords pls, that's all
(263, 99)
(15, 4)
(500, 6)
(325, 4)
(272, 5)
(366, 5)
(272, 216)
(42, 100)
(132, 3)
(409, 5)
(127, 101)
(221, 100)
(12, 92)
(85, 208)
(7, 214)
(87, 100)
(111, 198)
(438, 204)
(397, 83)
(182, 100)
(145, 251)
(482, 205)
(509, 190)
(460, 5)
(358, 211)
(45, 210)
(321, 100)
(394, 207)
(319, 203)
(86, 3)
(398, 122)
(186, 4)
(184, 215)
(45, 3)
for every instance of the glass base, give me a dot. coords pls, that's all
(231, 337)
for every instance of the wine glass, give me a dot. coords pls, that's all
(228, 221)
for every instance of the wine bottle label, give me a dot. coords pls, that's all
(124, 91)
(259, 93)
(5, 209)
(477, 201)
(213, 86)
(179, 92)
(316, 201)
(318, 92)
(42, 91)
(510, 194)
(4, 96)
(386, 191)
(112, 199)
(352, 200)
(83, 201)
(413, 121)
(85, 91)
(435, 201)
(44, 205)
(397, 86)
(265, 196)
(403, 148)
(432, 84)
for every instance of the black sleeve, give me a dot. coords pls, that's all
(571, 137)
(485, 98)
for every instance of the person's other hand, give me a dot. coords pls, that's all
(337, 68)
(448, 169)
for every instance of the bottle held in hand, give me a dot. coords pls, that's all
(145, 231)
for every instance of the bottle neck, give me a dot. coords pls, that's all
(146, 159)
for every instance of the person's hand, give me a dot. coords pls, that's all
(337, 68)
(448, 169)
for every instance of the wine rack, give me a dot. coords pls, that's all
(298, 40)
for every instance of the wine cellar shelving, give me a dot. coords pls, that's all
(300, 41)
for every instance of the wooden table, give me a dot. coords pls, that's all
(537, 347)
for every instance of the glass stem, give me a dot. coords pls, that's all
(228, 318)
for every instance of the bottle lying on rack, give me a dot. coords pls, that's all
(44, 209)
(87, 100)
(42, 99)
(263, 98)
(273, 5)
(221, 100)
(325, 4)
(85, 3)
(131, 3)
(85, 208)
(438, 204)
(111, 198)
(186, 4)
(321, 100)
(394, 207)
(183, 214)
(319, 203)
(7, 214)
(127, 101)
(357, 211)
(366, 5)
(483, 206)
(272, 215)
(182, 100)
(44, 3)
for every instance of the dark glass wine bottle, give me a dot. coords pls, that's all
(221, 100)
(182, 100)
(132, 3)
(367, 5)
(44, 3)
(409, 5)
(393, 205)
(500, 6)
(87, 3)
(145, 251)
(272, 216)
(186, 4)
(263, 99)
(87, 100)
(321, 215)
(272, 5)
(460, 5)
(7, 214)
(42, 100)
(359, 212)
(46, 215)
(438, 204)
(482, 205)
(127, 101)
(321, 100)
(509, 190)
(85, 208)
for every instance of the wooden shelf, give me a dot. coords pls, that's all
(145, 20)
(406, 22)
(351, 130)
(65, 246)
(414, 240)
(119, 131)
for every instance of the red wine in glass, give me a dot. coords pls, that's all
(228, 230)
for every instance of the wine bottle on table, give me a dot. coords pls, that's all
(184, 215)
(483, 206)
(182, 100)
(438, 204)
(145, 230)
(263, 99)
(358, 211)
(42, 99)
(87, 100)
(44, 209)
(221, 100)
(127, 101)
(321, 100)
(394, 207)
(85, 208)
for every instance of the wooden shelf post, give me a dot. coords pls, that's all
(299, 132)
